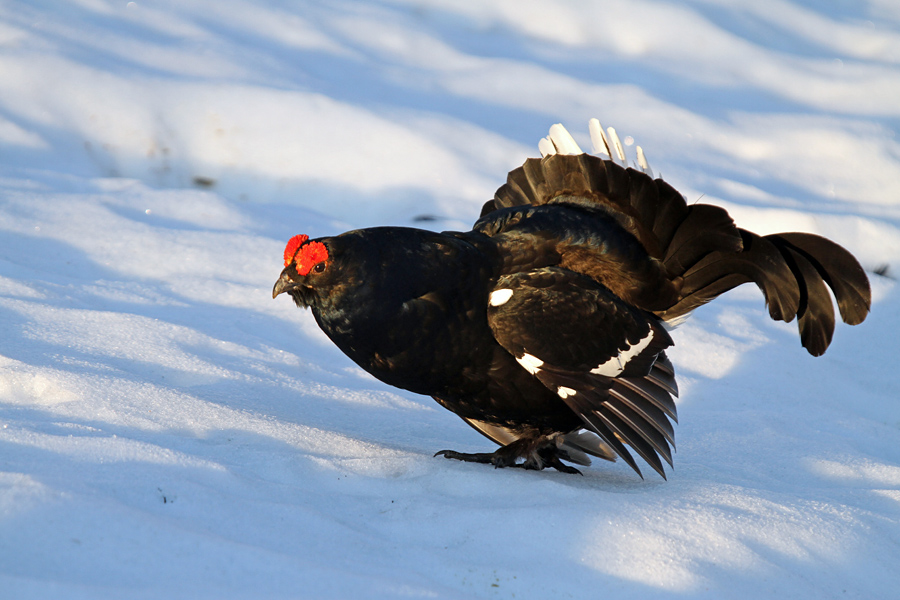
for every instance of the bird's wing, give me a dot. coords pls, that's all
(602, 357)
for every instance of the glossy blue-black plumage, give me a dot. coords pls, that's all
(547, 318)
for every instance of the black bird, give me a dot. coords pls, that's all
(547, 322)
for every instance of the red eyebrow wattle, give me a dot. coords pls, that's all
(310, 255)
(292, 246)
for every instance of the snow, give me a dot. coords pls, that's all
(167, 430)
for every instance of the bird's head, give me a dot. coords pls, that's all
(357, 273)
(306, 268)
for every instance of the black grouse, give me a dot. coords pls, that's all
(545, 327)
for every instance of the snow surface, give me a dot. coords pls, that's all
(167, 430)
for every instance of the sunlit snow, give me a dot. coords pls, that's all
(167, 430)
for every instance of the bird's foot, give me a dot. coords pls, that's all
(535, 458)
(553, 461)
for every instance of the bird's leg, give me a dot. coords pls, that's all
(505, 456)
(478, 457)
(538, 455)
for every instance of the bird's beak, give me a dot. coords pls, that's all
(284, 284)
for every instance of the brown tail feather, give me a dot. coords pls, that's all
(816, 313)
(839, 269)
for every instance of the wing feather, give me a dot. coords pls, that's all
(604, 359)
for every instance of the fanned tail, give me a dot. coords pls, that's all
(702, 251)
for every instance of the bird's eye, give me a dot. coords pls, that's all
(319, 268)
